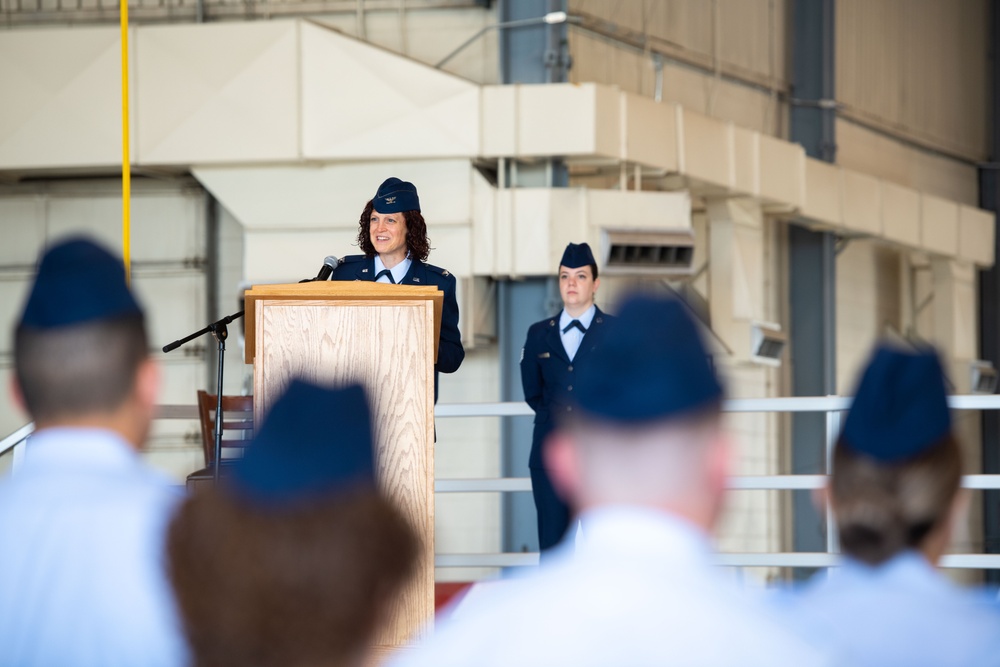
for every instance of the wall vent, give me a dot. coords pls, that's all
(649, 253)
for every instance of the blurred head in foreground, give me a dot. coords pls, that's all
(80, 349)
(897, 466)
(295, 560)
(646, 426)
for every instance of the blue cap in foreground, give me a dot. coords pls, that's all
(314, 442)
(650, 363)
(396, 196)
(78, 281)
(900, 408)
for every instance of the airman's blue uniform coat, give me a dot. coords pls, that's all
(547, 377)
(450, 350)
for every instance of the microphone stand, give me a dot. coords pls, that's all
(221, 332)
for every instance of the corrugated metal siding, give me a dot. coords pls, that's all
(739, 36)
(918, 68)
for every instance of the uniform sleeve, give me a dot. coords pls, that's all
(531, 374)
(450, 350)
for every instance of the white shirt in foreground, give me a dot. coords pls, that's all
(640, 590)
(902, 613)
(81, 564)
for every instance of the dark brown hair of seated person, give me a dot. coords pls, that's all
(885, 508)
(417, 243)
(298, 587)
(80, 369)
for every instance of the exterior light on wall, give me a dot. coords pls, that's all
(767, 343)
(983, 377)
(552, 18)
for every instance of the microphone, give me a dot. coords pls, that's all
(329, 264)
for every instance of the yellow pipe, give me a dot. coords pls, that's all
(126, 161)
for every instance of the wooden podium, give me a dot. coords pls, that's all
(384, 337)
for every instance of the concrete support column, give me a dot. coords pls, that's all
(736, 271)
(812, 259)
(528, 54)
(955, 318)
(955, 332)
(736, 277)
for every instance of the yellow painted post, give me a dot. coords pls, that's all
(126, 161)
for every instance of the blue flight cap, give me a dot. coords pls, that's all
(900, 408)
(577, 255)
(315, 442)
(396, 196)
(78, 281)
(649, 363)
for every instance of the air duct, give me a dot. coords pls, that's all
(659, 253)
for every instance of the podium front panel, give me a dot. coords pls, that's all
(388, 347)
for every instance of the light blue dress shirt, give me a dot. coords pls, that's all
(901, 613)
(639, 591)
(398, 272)
(571, 339)
(82, 581)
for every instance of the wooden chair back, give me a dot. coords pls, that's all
(237, 425)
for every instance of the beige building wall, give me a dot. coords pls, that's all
(919, 69)
(724, 59)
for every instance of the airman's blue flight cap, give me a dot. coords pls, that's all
(577, 255)
(649, 363)
(315, 442)
(900, 408)
(396, 196)
(78, 282)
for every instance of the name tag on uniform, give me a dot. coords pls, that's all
(544, 355)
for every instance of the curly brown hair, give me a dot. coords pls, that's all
(884, 508)
(306, 585)
(417, 243)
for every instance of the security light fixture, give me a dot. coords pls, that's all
(983, 376)
(767, 342)
(552, 18)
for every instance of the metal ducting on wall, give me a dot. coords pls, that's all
(667, 253)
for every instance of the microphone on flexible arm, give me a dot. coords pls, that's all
(325, 271)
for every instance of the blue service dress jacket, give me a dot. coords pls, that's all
(450, 350)
(547, 375)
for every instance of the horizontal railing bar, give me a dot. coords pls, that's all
(785, 404)
(981, 481)
(736, 483)
(810, 559)
(17, 437)
(486, 560)
(483, 485)
(509, 409)
(177, 412)
(521, 409)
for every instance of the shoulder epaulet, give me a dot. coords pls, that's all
(352, 258)
(437, 269)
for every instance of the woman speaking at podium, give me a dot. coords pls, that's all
(393, 237)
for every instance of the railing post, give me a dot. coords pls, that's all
(833, 418)
(18, 455)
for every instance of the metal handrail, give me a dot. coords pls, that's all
(833, 406)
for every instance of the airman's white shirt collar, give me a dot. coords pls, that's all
(398, 272)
